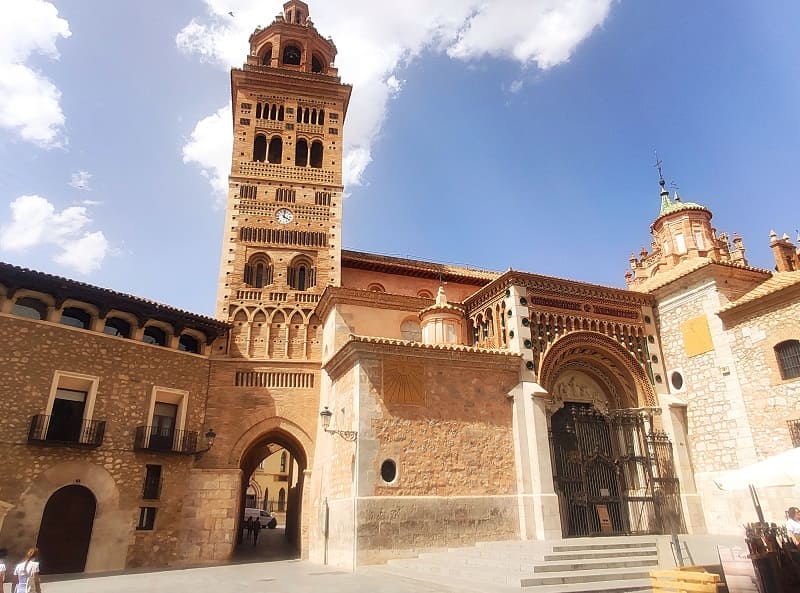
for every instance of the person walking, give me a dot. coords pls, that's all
(793, 523)
(256, 530)
(26, 574)
(249, 526)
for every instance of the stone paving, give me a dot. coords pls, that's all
(269, 567)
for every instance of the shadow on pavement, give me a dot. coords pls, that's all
(272, 545)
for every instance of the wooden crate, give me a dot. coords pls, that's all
(687, 580)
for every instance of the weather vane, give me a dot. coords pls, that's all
(658, 166)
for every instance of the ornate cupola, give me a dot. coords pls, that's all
(681, 232)
(292, 42)
(443, 322)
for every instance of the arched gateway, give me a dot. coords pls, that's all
(612, 465)
(66, 530)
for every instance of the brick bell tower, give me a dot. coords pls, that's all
(282, 238)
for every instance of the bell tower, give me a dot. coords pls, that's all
(282, 237)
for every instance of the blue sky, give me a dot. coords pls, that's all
(512, 133)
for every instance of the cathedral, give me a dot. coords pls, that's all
(422, 405)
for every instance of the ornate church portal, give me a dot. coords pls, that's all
(613, 470)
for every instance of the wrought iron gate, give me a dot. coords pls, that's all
(614, 473)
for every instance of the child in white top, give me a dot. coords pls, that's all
(3, 554)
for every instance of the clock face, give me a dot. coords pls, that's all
(284, 216)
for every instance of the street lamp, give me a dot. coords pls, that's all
(326, 415)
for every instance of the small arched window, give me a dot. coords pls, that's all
(316, 64)
(375, 287)
(188, 343)
(154, 335)
(275, 150)
(321, 118)
(314, 116)
(258, 110)
(301, 153)
(283, 461)
(260, 148)
(116, 326)
(280, 113)
(425, 294)
(316, 154)
(273, 113)
(291, 55)
(788, 354)
(76, 317)
(30, 308)
(281, 500)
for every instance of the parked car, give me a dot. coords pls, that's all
(266, 519)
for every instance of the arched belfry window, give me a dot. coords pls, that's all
(154, 335)
(275, 154)
(301, 274)
(291, 55)
(788, 354)
(266, 59)
(316, 154)
(301, 153)
(260, 148)
(258, 271)
(316, 64)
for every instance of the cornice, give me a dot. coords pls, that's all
(337, 295)
(358, 347)
(558, 287)
(733, 312)
(709, 268)
(416, 268)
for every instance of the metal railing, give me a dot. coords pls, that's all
(794, 432)
(65, 430)
(154, 438)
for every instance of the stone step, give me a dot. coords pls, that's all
(610, 553)
(516, 577)
(524, 563)
(594, 576)
(603, 546)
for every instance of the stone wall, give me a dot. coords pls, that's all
(126, 372)
(770, 401)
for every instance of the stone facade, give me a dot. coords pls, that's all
(425, 405)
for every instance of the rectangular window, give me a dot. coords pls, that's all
(333, 116)
(680, 243)
(666, 247)
(147, 518)
(290, 126)
(247, 105)
(698, 239)
(244, 121)
(248, 191)
(166, 417)
(333, 131)
(152, 483)
(68, 415)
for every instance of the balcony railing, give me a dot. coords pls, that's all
(66, 431)
(794, 432)
(154, 438)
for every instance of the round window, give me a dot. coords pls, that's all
(388, 470)
(677, 380)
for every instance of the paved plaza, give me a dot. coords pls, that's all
(280, 576)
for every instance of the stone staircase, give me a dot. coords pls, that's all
(585, 565)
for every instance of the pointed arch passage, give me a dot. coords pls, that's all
(66, 530)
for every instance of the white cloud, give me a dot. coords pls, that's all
(376, 39)
(35, 221)
(85, 254)
(80, 180)
(210, 146)
(29, 102)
